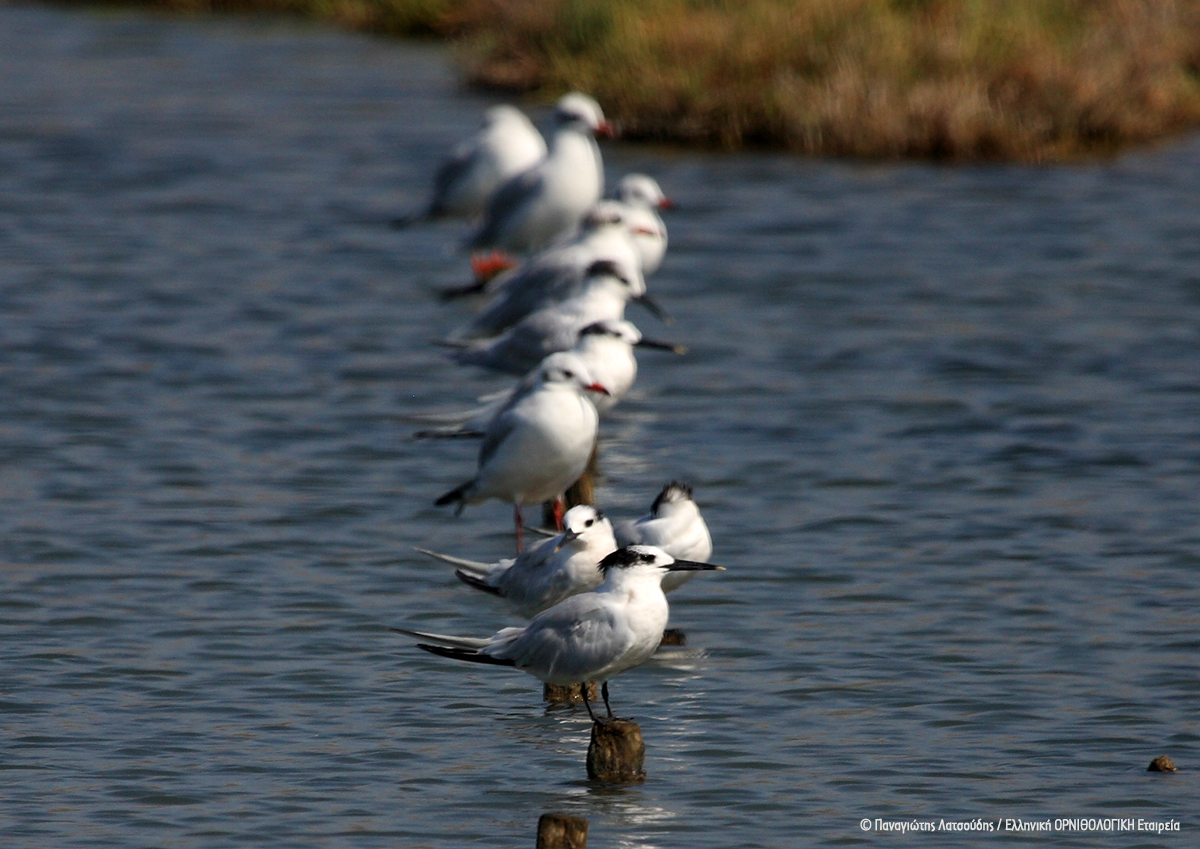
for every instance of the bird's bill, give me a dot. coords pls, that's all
(654, 309)
(694, 566)
(607, 129)
(661, 346)
(666, 203)
(596, 387)
(567, 536)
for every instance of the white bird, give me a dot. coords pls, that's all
(538, 444)
(587, 637)
(675, 525)
(642, 197)
(555, 327)
(560, 271)
(606, 348)
(534, 208)
(642, 190)
(506, 145)
(553, 569)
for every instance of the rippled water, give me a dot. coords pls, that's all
(943, 423)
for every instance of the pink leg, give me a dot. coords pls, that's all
(520, 525)
(560, 510)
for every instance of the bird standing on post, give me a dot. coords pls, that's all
(537, 445)
(546, 201)
(506, 145)
(588, 637)
(641, 196)
(559, 272)
(675, 525)
(555, 327)
(548, 572)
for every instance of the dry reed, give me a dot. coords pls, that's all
(1029, 80)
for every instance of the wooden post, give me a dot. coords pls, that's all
(617, 752)
(569, 694)
(559, 831)
(583, 491)
(674, 637)
(1162, 763)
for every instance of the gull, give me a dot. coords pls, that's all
(556, 327)
(538, 444)
(606, 348)
(643, 190)
(641, 197)
(506, 145)
(675, 525)
(550, 571)
(591, 636)
(534, 208)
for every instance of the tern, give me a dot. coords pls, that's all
(556, 327)
(506, 145)
(549, 571)
(675, 525)
(607, 348)
(587, 637)
(538, 444)
(546, 201)
(560, 271)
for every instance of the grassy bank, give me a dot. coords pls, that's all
(1030, 80)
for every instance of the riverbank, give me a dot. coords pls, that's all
(941, 79)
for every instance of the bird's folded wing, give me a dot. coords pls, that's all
(573, 645)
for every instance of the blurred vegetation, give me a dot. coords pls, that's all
(1029, 80)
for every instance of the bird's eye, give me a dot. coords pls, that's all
(589, 522)
(568, 373)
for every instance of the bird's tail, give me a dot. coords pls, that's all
(405, 221)
(458, 494)
(448, 432)
(472, 643)
(474, 566)
(475, 287)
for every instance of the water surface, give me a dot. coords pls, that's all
(943, 423)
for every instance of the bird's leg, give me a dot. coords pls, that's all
(583, 692)
(520, 525)
(559, 511)
(604, 694)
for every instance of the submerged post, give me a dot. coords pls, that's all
(559, 831)
(617, 752)
(569, 694)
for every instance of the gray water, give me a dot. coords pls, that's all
(944, 424)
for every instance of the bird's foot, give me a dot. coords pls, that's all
(487, 266)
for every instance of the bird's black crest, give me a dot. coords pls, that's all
(605, 266)
(665, 495)
(623, 558)
(596, 328)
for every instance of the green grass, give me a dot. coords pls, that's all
(1030, 80)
